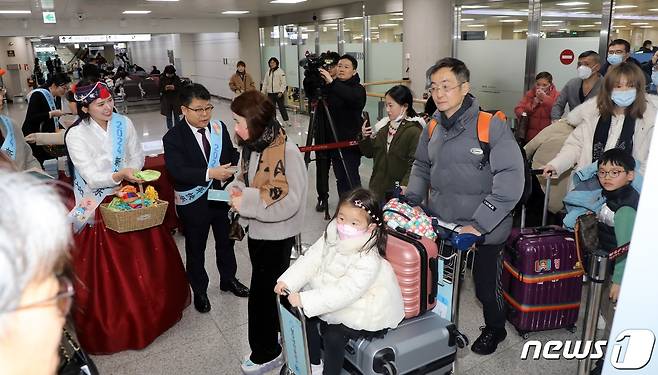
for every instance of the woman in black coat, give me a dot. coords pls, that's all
(170, 85)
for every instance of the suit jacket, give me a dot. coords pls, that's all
(37, 120)
(187, 165)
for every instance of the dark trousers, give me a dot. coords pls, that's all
(281, 103)
(352, 157)
(269, 259)
(487, 271)
(196, 236)
(172, 118)
(327, 341)
(322, 158)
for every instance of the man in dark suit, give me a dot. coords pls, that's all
(189, 159)
(43, 110)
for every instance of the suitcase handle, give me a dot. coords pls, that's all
(434, 268)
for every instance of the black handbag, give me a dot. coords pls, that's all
(235, 230)
(74, 360)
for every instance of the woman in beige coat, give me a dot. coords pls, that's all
(241, 81)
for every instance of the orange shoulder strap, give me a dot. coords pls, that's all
(484, 120)
(430, 127)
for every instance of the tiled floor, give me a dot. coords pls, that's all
(214, 343)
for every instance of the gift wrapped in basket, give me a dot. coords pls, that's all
(132, 210)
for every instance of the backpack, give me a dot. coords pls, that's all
(483, 123)
(399, 214)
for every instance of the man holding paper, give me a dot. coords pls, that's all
(199, 156)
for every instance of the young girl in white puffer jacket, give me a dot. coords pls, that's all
(345, 282)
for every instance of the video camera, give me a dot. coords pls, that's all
(312, 62)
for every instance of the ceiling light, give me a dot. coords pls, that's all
(374, 28)
(235, 12)
(639, 23)
(353, 18)
(474, 6)
(619, 27)
(388, 25)
(397, 14)
(330, 24)
(15, 11)
(625, 6)
(597, 23)
(136, 11)
(646, 27)
(346, 30)
(521, 31)
(511, 21)
(397, 19)
(572, 3)
(552, 21)
(475, 25)
(654, 9)
(163, 1)
(587, 26)
(286, 1)
(468, 19)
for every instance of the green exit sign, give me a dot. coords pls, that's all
(49, 17)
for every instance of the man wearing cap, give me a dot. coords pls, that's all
(44, 109)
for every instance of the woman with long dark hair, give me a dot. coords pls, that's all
(130, 287)
(392, 144)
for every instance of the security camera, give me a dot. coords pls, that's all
(81, 16)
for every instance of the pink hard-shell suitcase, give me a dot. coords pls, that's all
(415, 262)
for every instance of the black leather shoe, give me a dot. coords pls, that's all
(321, 206)
(236, 287)
(488, 340)
(201, 303)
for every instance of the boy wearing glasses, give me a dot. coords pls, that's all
(617, 216)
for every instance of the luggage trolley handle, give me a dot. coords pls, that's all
(303, 357)
(547, 192)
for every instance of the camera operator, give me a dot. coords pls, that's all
(314, 85)
(345, 99)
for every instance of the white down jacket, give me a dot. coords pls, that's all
(342, 284)
(274, 82)
(577, 149)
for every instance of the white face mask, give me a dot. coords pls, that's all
(584, 72)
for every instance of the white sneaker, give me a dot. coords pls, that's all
(601, 324)
(317, 369)
(251, 368)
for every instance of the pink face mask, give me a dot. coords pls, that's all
(242, 133)
(346, 232)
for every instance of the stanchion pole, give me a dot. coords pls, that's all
(597, 276)
(297, 250)
(456, 280)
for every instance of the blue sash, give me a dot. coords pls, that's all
(51, 102)
(87, 199)
(183, 198)
(9, 145)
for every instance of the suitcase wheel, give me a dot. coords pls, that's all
(462, 341)
(524, 334)
(390, 368)
(572, 328)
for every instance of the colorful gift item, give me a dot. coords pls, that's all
(147, 175)
(413, 219)
(128, 199)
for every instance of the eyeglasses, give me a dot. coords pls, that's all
(613, 174)
(198, 111)
(443, 88)
(63, 299)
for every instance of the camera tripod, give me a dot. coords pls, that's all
(312, 126)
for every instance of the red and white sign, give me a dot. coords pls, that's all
(566, 57)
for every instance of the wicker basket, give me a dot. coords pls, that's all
(133, 220)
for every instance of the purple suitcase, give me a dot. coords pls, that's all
(542, 278)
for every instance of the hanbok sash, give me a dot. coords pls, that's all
(87, 199)
(182, 198)
(51, 102)
(9, 145)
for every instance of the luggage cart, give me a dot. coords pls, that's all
(293, 334)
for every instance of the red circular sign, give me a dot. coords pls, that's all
(566, 57)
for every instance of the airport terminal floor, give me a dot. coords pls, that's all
(215, 343)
